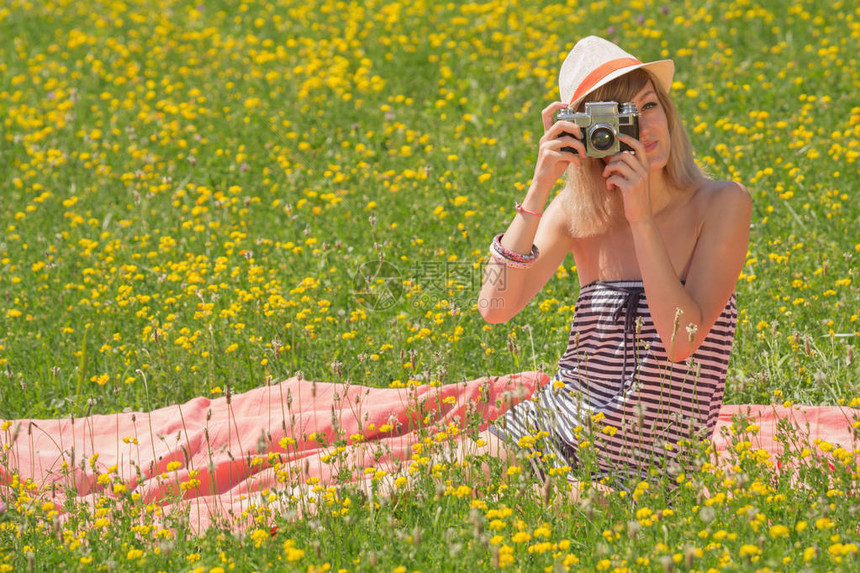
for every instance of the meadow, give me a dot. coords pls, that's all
(205, 197)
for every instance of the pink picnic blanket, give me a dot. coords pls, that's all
(221, 457)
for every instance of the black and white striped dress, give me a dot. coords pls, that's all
(618, 395)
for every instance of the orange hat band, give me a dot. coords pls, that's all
(601, 72)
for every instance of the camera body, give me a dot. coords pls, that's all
(600, 124)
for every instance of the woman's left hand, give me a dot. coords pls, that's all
(628, 173)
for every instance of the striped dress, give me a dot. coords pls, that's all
(617, 390)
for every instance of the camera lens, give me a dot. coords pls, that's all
(602, 138)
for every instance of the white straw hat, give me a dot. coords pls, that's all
(594, 62)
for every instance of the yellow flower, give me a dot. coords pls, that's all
(259, 535)
(777, 531)
(544, 532)
(540, 547)
(521, 537)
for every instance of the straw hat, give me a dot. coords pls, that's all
(594, 62)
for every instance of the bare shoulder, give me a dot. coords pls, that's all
(716, 199)
(716, 193)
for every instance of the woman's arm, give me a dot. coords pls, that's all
(716, 263)
(714, 269)
(507, 290)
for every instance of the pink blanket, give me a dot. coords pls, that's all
(221, 457)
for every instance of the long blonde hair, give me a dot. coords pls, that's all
(591, 210)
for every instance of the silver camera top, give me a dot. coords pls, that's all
(602, 121)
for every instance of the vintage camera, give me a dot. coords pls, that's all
(600, 124)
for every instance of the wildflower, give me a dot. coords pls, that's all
(521, 537)
(750, 551)
(462, 491)
(840, 549)
(259, 535)
(540, 547)
(544, 532)
(692, 329)
(291, 552)
(777, 531)
(506, 555)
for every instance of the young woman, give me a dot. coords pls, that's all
(658, 249)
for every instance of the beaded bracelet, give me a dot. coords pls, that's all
(499, 258)
(507, 253)
(510, 258)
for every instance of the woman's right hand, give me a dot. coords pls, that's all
(552, 161)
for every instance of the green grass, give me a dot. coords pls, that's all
(190, 189)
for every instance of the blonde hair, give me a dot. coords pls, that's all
(591, 210)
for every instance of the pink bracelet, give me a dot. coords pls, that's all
(520, 209)
(514, 256)
(500, 258)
